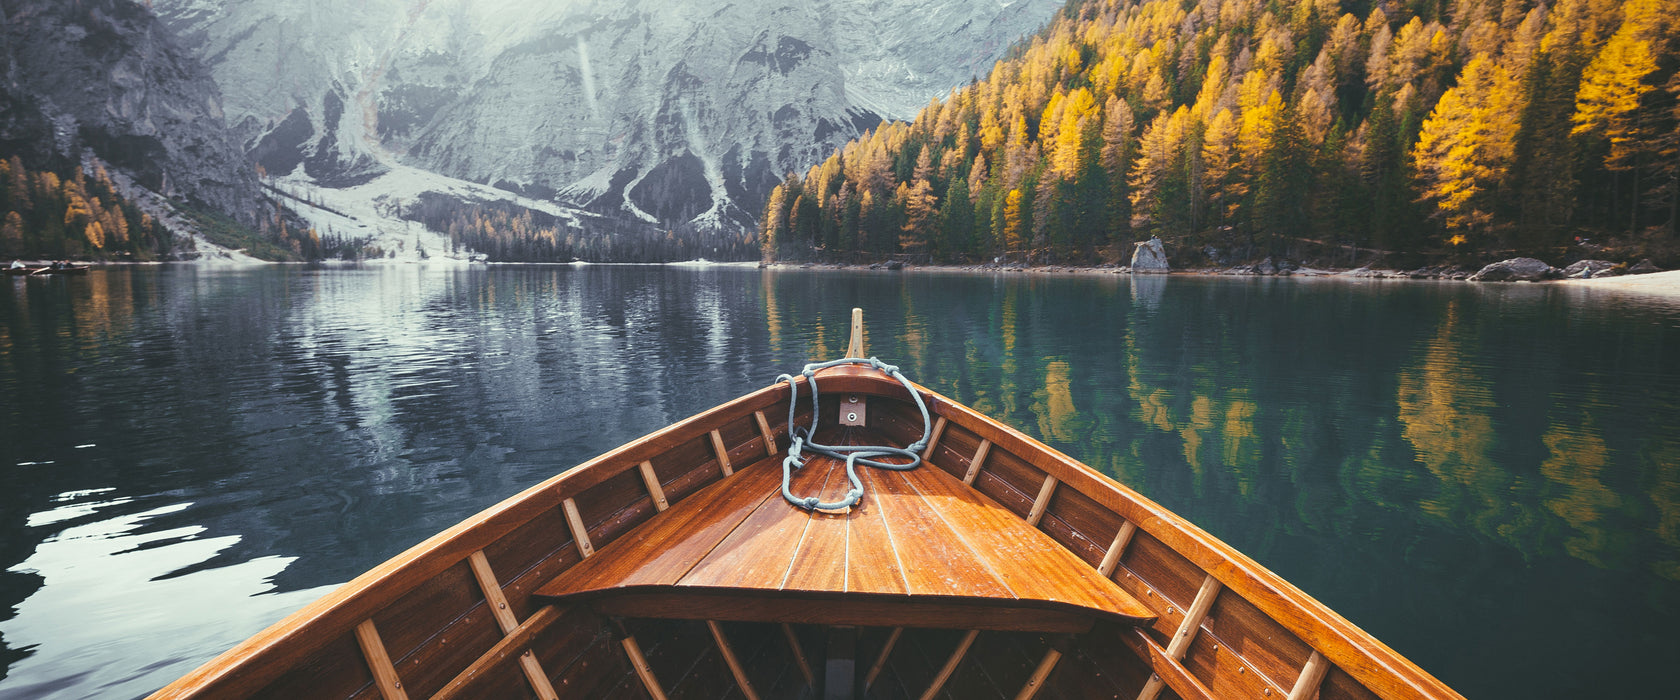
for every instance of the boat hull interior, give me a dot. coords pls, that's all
(500, 606)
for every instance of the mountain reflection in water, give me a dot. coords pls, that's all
(1485, 477)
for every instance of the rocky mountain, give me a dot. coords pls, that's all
(104, 76)
(674, 114)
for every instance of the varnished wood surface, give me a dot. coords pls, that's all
(919, 539)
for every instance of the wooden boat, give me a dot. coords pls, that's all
(671, 567)
(53, 269)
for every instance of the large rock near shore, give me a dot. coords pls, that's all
(1589, 269)
(1150, 257)
(1516, 270)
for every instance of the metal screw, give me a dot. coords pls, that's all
(851, 416)
(1268, 692)
(503, 606)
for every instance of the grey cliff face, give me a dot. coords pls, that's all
(107, 75)
(674, 114)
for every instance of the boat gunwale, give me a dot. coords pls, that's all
(267, 655)
(1343, 643)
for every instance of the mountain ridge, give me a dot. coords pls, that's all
(674, 116)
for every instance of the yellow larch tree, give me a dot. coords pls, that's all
(1611, 88)
(1467, 145)
(1013, 238)
(1225, 185)
(1076, 113)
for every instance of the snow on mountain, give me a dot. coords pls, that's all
(679, 114)
(374, 210)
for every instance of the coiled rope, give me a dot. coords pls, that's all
(852, 454)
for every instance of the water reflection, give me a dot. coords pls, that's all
(107, 581)
(1430, 459)
(189, 454)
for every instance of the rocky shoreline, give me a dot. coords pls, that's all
(1514, 270)
(1150, 257)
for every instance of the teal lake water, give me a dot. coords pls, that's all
(1485, 477)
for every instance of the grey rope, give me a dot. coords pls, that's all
(852, 454)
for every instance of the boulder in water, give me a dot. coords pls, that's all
(1644, 267)
(1150, 256)
(1516, 270)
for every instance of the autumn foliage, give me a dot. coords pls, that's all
(72, 215)
(1339, 131)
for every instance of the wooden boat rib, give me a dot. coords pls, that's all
(671, 567)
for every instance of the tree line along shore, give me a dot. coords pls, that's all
(1401, 135)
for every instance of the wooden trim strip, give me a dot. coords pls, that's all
(1039, 675)
(1166, 669)
(1312, 674)
(881, 658)
(933, 441)
(493, 596)
(497, 601)
(722, 454)
(1117, 548)
(378, 661)
(639, 662)
(651, 480)
(950, 665)
(1186, 632)
(580, 534)
(1194, 616)
(538, 679)
(854, 346)
(729, 658)
(513, 643)
(979, 460)
(799, 655)
(769, 437)
(1043, 500)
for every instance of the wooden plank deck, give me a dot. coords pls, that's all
(921, 550)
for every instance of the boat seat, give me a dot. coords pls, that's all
(921, 550)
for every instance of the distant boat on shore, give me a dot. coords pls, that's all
(19, 269)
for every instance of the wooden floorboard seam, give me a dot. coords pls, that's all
(803, 533)
(975, 553)
(886, 525)
(698, 561)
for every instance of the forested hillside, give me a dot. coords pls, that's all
(1341, 132)
(53, 215)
